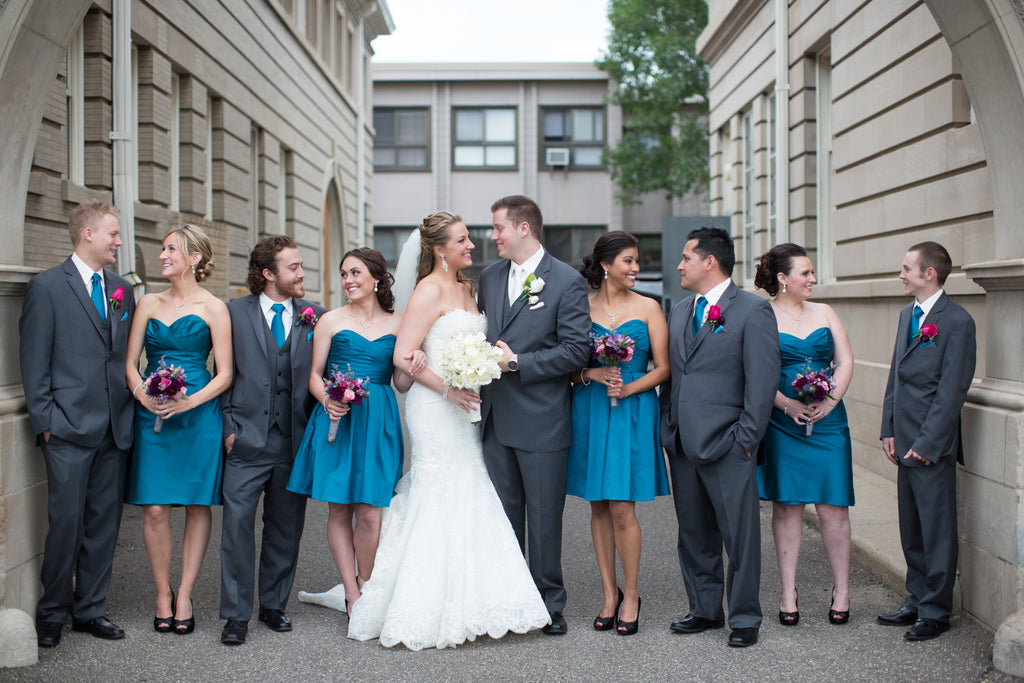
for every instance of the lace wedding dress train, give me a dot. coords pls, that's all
(448, 567)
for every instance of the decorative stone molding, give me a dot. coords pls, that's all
(1005, 275)
(13, 279)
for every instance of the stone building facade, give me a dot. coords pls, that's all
(249, 118)
(857, 129)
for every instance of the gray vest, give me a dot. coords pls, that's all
(280, 383)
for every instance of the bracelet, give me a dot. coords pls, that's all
(785, 408)
(137, 388)
(583, 379)
(444, 394)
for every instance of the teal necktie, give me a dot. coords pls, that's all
(97, 296)
(698, 315)
(915, 324)
(277, 326)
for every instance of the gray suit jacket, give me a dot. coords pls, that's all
(551, 339)
(720, 392)
(247, 403)
(74, 378)
(928, 383)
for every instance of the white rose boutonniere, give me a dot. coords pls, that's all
(532, 287)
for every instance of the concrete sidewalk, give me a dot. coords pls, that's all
(317, 649)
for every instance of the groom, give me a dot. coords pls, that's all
(74, 332)
(265, 413)
(724, 355)
(538, 315)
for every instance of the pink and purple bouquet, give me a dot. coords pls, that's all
(612, 349)
(344, 387)
(814, 387)
(167, 383)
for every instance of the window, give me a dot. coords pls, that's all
(823, 85)
(580, 131)
(282, 192)
(747, 130)
(208, 182)
(175, 170)
(773, 235)
(402, 141)
(571, 243)
(485, 138)
(76, 107)
(254, 177)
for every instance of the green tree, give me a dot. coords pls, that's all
(662, 90)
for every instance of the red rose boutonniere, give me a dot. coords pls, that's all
(715, 319)
(116, 298)
(928, 332)
(308, 317)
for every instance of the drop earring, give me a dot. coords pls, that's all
(783, 287)
(375, 283)
(606, 275)
(444, 263)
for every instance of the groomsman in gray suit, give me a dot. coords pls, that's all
(724, 354)
(931, 371)
(538, 314)
(265, 413)
(74, 331)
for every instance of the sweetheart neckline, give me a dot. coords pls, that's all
(187, 315)
(817, 329)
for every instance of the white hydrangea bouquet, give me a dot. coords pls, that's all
(469, 362)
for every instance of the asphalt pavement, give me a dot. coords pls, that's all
(317, 648)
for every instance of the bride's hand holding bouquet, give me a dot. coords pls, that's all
(468, 363)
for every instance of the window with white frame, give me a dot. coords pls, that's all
(484, 138)
(175, 171)
(208, 182)
(75, 78)
(402, 139)
(773, 233)
(823, 95)
(574, 136)
(747, 206)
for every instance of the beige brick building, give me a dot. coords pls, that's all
(858, 129)
(248, 117)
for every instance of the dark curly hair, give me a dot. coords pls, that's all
(606, 250)
(264, 257)
(778, 259)
(378, 267)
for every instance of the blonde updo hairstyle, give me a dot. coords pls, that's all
(435, 231)
(193, 240)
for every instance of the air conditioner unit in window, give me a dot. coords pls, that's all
(557, 156)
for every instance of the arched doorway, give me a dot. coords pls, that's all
(333, 245)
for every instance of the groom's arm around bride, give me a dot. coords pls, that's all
(537, 312)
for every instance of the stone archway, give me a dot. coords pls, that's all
(333, 246)
(983, 35)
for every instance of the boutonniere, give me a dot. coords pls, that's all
(532, 286)
(116, 298)
(306, 317)
(927, 333)
(715, 319)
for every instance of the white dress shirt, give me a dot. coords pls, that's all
(517, 274)
(286, 315)
(927, 305)
(713, 295)
(86, 272)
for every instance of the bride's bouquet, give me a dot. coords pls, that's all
(469, 362)
(167, 383)
(344, 387)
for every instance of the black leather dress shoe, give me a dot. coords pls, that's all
(276, 619)
(693, 624)
(926, 629)
(743, 637)
(557, 627)
(904, 616)
(234, 632)
(100, 627)
(48, 633)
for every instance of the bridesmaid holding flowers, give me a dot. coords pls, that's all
(615, 458)
(355, 472)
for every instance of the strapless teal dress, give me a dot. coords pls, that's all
(800, 468)
(364, 462)
(182, 464)
(615, 452)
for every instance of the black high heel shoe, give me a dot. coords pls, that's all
(628, 628)
(165, 624)
(185, 626)
(608, 623)
(791, 618)
(835, 616)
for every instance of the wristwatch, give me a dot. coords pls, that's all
(513, 363)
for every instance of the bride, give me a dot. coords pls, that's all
(448, 567)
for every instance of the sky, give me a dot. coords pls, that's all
(490, 31)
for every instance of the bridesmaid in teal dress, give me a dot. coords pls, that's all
(357, 472)
(800, 469)
(182, 464)
(615, 458)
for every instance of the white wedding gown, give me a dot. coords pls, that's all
(448, 567)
